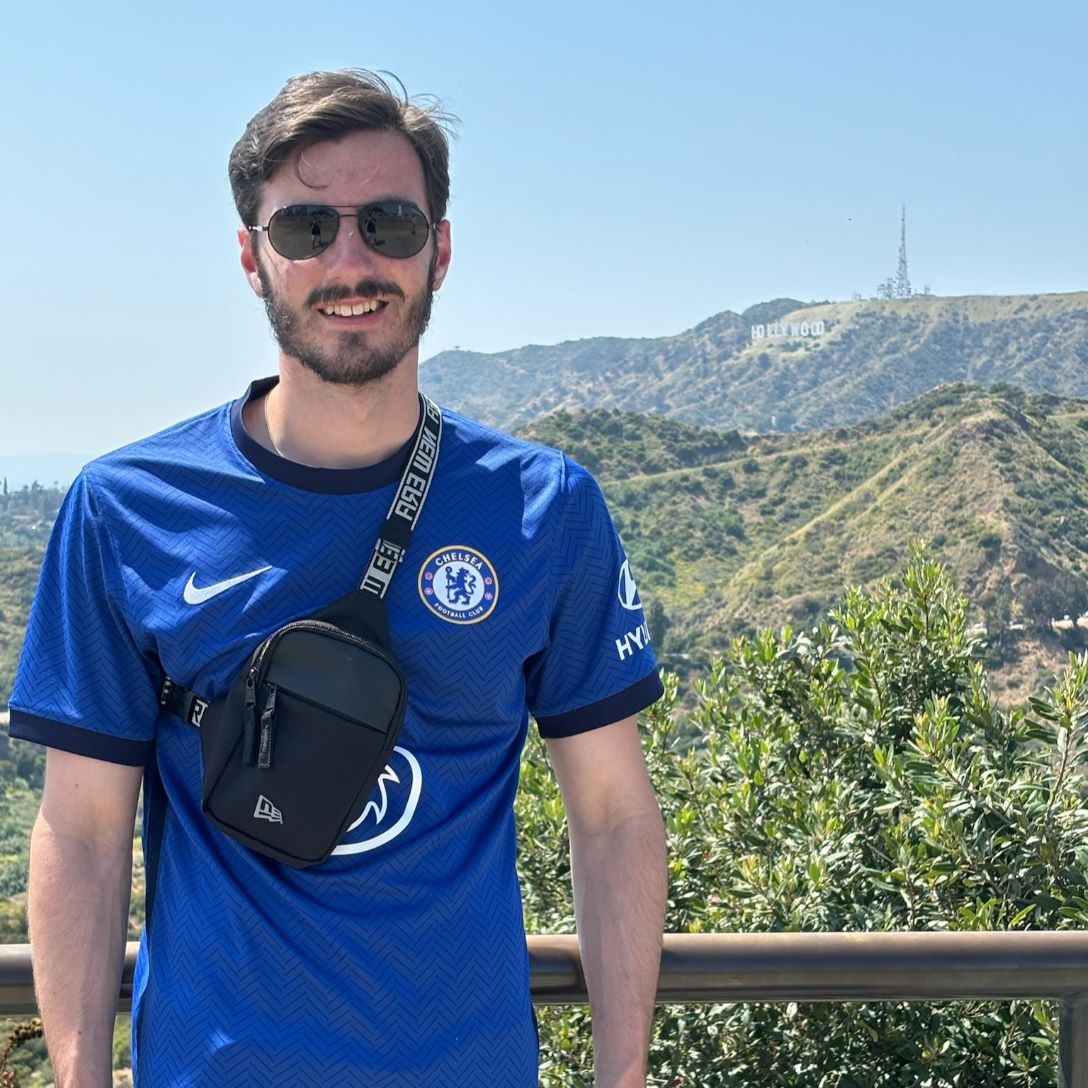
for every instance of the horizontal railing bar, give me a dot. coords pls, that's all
(735, 967)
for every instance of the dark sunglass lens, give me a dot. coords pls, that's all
(303, 230)
(394, 229)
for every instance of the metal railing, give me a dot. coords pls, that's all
(738, 967)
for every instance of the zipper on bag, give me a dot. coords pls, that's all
(249, 717)
(257, 744)
(268, 717)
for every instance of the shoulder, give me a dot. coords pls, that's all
(158, 484)
(187, 444)
(481, 440)
(543, 469)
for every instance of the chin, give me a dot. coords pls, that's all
(359, 370)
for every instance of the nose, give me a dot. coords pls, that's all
(348, 250)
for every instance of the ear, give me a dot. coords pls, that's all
(442, 252)
(248, 257)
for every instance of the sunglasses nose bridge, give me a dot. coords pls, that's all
(349, 245)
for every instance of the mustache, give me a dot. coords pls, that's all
(324, 296)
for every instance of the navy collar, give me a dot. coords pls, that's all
(331, 481)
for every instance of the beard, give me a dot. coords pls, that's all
(354, 361)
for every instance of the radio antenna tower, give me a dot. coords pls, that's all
(902, 278)
(898, 286)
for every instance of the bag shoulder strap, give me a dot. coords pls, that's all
(407, 505)
(361, 611)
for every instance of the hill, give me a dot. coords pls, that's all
(26, 517)
(813, 366)
(731, 532)
(771, 533)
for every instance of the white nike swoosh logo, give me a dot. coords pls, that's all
(193, 595)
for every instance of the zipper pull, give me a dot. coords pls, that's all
(249, 719)
(268, 716)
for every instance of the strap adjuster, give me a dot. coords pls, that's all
(184, 704)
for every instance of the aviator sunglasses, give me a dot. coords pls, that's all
(394, 228)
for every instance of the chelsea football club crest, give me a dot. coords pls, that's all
(459, 584)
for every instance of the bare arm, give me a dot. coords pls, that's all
(618, 861)
(80, 880)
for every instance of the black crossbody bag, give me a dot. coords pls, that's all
(292, 752)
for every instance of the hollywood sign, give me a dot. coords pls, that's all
(791, 328)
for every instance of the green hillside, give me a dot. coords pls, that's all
(869, 357)
(729, 532)
(772, 533)
(26, 517)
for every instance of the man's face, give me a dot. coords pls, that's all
(299, 296)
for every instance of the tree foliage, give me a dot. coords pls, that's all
(855, 776)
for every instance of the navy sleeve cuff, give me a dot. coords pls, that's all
(613, 709)
(81, 742)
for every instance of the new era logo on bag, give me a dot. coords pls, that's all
(265, 810)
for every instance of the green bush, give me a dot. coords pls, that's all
(857, 777)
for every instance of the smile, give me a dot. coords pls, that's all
(352, 309)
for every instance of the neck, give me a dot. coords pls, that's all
(323, 425)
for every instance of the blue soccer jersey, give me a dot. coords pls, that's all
(401, 960)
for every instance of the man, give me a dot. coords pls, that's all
(400, 960)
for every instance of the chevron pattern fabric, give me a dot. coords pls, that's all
(401, 960)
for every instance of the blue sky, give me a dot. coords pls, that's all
(621, 169)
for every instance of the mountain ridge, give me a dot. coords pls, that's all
(870, 356)
(769, 529)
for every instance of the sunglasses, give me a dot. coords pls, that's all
(395, 228)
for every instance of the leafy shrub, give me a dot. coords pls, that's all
(852, 777)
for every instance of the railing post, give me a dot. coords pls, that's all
(1073, 1042)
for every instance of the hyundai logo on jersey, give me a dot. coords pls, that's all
(628, 591)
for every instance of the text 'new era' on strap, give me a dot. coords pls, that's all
(407, 505)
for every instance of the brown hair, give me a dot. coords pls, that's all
(326, 106)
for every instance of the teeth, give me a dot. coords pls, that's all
(355, 310)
